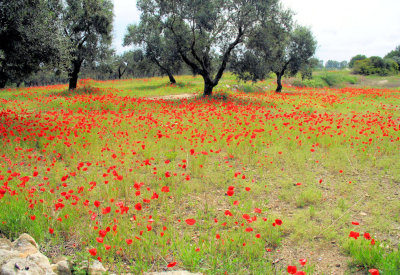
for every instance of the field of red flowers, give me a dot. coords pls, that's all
(240, 183)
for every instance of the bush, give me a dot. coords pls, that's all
(376, 65)
(333, 79)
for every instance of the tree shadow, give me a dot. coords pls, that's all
(87, 90)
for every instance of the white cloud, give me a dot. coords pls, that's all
(343, 28)
(125, 13)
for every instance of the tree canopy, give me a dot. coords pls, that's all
(276, 46)
(30, 38)
(87, 24)
(356, 58)
(158, 46)
(204, 32)
(394, 55)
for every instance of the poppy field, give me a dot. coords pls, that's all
(302, 182)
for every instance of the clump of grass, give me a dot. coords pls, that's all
(310, 196)
(375, 255)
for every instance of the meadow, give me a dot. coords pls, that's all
(244, 182)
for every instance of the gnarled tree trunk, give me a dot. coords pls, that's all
(3, 80)
(73, 75)
(171, 78)
(278, 82)
(208, 86)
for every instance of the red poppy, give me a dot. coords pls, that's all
(172, 264)
(138, 206)
(374, 271)
(303, 262)
(278, 222)
(93, 251)
(100, 239)
(354, 234)
(190, 221)
(228, 213)
(291, 269)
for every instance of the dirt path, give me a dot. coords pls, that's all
(173, 97)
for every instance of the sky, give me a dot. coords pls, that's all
(342, 28)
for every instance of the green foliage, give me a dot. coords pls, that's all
(373, 256)
(30, 38)
(206, 32)
(158, 46)
(336, 65)
(276, 47)
(356, 58)
(87, 26)
(394, 55)
(376, 65)
(327, 79)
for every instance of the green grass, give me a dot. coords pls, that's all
(317, 159)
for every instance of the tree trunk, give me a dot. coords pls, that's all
(279, 82)
(73, 76)
(208, 87)
(3, 83)
(3, 80)
(171, 78)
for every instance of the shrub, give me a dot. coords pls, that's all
(376, 65)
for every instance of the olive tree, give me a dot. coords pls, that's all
(278, 47)
(87, 26)
(205, 32)
(30, 38)
(158, 46)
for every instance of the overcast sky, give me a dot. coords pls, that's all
(343, 28)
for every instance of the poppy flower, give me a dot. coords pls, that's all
(291, 269)
(374, 271)
(354, 234)
(190, 221)
(303, 262)
(172, 264)
(138, 206)
(93, 251)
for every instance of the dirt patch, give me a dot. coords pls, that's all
(173, 97)
(327, 258)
